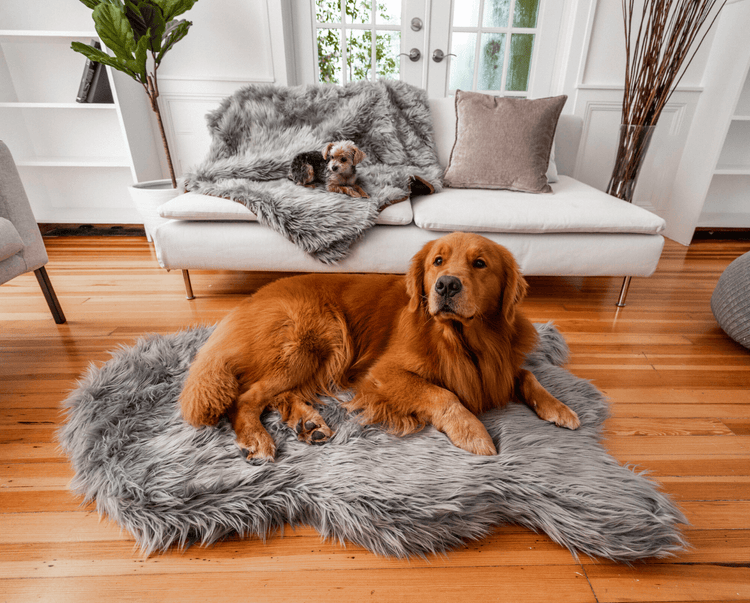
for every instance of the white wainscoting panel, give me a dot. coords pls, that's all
(601, 110)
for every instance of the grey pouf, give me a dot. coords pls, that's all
(730, 301)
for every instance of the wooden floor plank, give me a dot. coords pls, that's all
(661, 582)
(298, 549)
(520, 584)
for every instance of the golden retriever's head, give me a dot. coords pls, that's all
(465, 276)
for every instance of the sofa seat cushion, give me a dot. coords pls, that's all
(194, 206)
(10, 240)
(574, 207)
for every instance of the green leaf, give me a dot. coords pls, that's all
(176, 30)
(136, 20)
(114, 30)
(139, 64)
(92, 4)
(172, 8)
(102, 57)
(145, 16)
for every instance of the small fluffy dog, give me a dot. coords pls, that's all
(438, 346)
(334, 167)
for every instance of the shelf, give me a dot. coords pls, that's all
(103, 162)
(732, 170)
(74, 106)
(7, 34)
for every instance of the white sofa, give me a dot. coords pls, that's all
(577, 230)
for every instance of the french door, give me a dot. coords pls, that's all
(505, 47)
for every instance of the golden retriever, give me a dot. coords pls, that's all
(439, 346)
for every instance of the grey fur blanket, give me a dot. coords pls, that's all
(257, 131)
(168, 483)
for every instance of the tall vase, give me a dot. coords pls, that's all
(631, 151)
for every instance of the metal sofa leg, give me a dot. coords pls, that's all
(624, 292)
(188, 285)
(49, 295)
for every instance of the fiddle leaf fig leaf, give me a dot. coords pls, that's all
(145, 16)
(139, 64)
(92, 4)
(172, 8)
(114, 30)
(175, 31)
(100, 56)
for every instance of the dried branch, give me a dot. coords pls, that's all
(660, 44)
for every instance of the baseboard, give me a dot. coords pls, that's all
(92, 230)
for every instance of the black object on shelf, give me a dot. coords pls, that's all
(94, 86)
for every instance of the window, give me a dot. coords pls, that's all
(493, 41)
(357, 39)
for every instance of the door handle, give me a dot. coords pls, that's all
(414, 54)
(439, 55)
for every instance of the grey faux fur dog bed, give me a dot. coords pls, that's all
(256, 132)
(168, 483)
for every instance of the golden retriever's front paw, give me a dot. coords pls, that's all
(560, 415)
(567, 417)
(472, 437)
(256, 445)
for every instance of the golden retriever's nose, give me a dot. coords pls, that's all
(448, 286)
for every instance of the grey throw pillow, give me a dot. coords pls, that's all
(503, 142)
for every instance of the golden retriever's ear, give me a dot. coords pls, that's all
(513, 292)
(415, 278)
(327, 149)
(359, 156)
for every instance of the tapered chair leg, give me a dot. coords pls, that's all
(49, 295)
(188, 285)
(624, 292)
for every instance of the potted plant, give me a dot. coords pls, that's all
(139, 33)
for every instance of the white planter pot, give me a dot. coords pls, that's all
(148, 196)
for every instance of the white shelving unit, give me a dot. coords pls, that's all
(76, 160)
(727, 203)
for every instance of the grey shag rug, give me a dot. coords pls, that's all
(168, 483)
(256, 132)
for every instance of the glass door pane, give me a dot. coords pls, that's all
(493, 41)
(357, 23)
(521, 47)
(491, 61)
(462, 65)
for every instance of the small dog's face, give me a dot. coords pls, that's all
(342, 156)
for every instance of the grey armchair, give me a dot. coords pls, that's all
(21, 244)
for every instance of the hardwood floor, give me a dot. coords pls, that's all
(680, 397)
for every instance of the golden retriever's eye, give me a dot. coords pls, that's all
(480, 264)
(438, 261)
